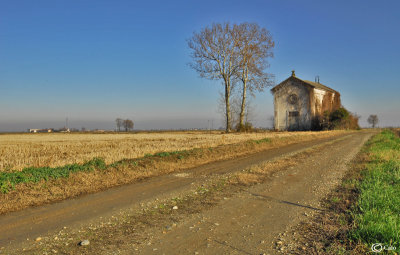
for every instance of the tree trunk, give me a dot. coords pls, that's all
(227, 107)
(243, 106)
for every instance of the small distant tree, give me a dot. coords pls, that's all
(119, 123)
(373, 120)
(128, 124)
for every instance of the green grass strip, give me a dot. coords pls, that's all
(8, 180)
(264, 140)
(377, 219)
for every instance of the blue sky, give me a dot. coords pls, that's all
(93, 61)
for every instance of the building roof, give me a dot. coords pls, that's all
(310, 83)
(319, 86)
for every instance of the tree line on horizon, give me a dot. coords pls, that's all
(127, 124)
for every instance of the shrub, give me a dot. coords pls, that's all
(338, 119)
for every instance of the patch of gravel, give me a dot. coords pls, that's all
(325, 232)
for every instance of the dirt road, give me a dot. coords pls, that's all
(251, 223)
(245, 224)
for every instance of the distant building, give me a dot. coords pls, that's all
(64, 130)
(35, 130)
(100, 130)
(299, 103)
(48, 130)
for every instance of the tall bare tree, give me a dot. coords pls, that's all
(214, 55)
(254, 46)
(373, 120)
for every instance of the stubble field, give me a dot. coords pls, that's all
(18, 151)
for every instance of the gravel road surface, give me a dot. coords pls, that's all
(253, 221)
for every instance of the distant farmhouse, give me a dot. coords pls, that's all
(36, 130)
(48, 130)
(298, 103)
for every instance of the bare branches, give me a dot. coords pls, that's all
(214, 57)
(254, 47)
(239, 53)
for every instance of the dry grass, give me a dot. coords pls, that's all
(33, 194)
(24, 150)
(160, 213)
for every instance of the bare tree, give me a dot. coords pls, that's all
(215, 57)
(254, 47)
(373, 120)
(119, 123)
(128, 124)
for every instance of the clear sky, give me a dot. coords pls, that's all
(95, 60)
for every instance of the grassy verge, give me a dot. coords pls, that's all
(377, 218)
(364, 210)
